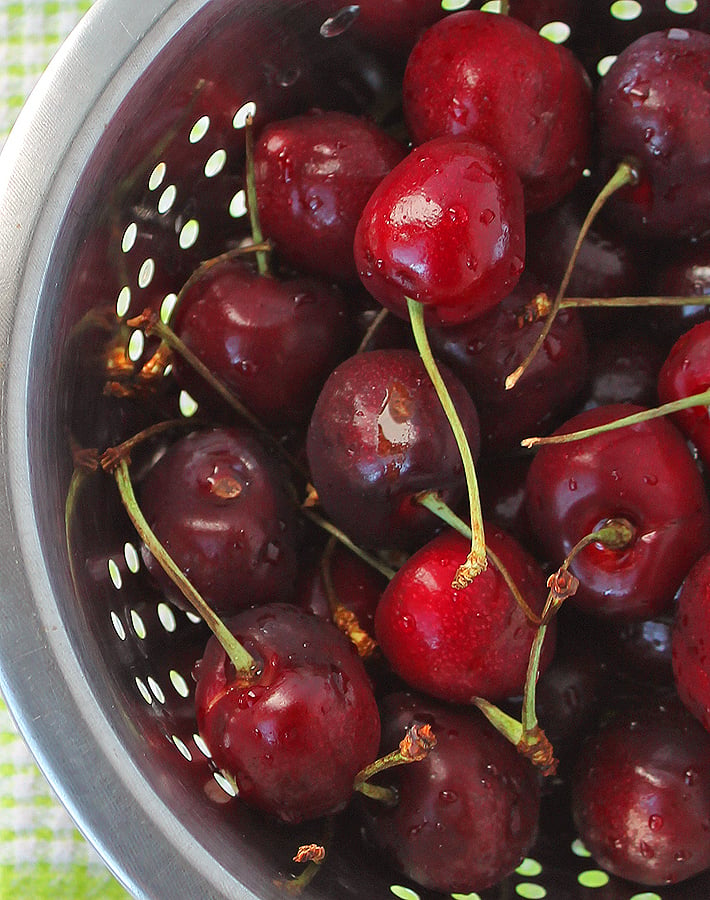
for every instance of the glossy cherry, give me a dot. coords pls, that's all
(219, 504)
(313, 176)
(294, 735)
(641, 794)
(444, 228)
(496, 80)
(690, 641)
(461, 644)
(378, 436)
(642, 473)
(624, 367)
(271, 341)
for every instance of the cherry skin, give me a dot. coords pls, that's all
(461, 644)
(271, 341)
(624, 367)
(313, 176)
(496, 80)
(295, 736)
(685, 372)
(685, 272)
(641, 794)
(444, 228)
(467, 814)
(220, 506)
(690, 640)
(378, 437)
(653, 106)
(642, 473)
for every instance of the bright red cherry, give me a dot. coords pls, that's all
(690, 641)
(496, 80)
(642, 473)
(461, 644)
(445, 228)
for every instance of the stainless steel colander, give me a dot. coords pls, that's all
(124, 171)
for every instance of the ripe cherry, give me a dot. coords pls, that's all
(690, 641)
(444, 228)
(460, 644)
(294, 735)
(467, 814)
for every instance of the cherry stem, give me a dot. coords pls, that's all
(665, 409)
(433, 502)
(344, 618)
(339, 535)
(262, 262)
(475, 562)
(244, 663)
(312, 854)
(625, 174)
(110, 457)
(593, 302)
(372, 329)
(417, 744)
(504, 7)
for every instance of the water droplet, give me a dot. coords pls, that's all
(655, 822)
(572, 484)
(448, 796)
(407, 622)
(650, 479)
(681, 856)
(637, 92)
(288, 77)
(487, 216)
(646, 850)
(340, 22)
(247, 367)
(690, 776)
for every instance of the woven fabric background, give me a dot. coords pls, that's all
(42, 855)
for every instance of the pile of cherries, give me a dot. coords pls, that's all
(386, 568)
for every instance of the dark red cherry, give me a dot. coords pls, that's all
(501, 483)
(691, 639)
(496, 80)
(484, 351)
(641, 794)
(653, 106)
(294, 736)
(642, 473)
(467, 814)
(461, 644)
(220, 506)
(445, 228)
(313, 176)
(684, 272)
(272, 341)
(378, 437)
(685, 372)
(624, 367)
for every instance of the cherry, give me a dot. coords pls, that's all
(502, 484)
(484, 351)
(653, 105)
(294, 736)
(623, 368)
(684, 272)
(444, 228)
(689, 641)
(467, 814)
(685, 372)
(313, 175)
(378, 436)
(271, 341)
(641, 794)
(495, 80)
(220, 506)
(460, 644)
(644, 474)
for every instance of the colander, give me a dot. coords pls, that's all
(123, 172)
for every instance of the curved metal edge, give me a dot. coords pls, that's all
(40, 676)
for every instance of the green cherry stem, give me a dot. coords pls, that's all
(339, 535)
(632, 302)
(262, 261)
(625, 174)
(665, 409)
(475, 562)
(417, 744)
(243, 661)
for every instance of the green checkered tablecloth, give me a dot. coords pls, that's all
(42, 855)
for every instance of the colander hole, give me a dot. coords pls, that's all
(492, 6)
(115, 575)
(181, 747)
(453, 5)
(178, 682)
(136, 345)
(557, 32)
(201, 745)
(130, 554)
(188, 234)
(167, 198)
(682, 7)
(138, 625)
(529, 868)
(187, 405)
(604, 64)
(157, 176)
(473, 896)
(225, 784)
(646, 895)
(579, 849)
(167, 307)
(167, 617)
(156, 689)
(240, 116)
(129, 237)
(530, 891)
(626, 10)
(123, 301)
(144, 692)
(146, 273)
(118, 626)
(238, 205)
(593, 878)
(215, 163)
(168, 370)
(193, 617)
(405, 893)
(199, 129)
